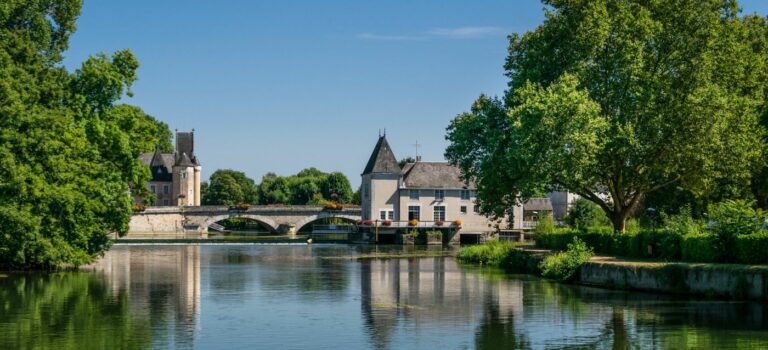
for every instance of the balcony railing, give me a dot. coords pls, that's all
(407, 224)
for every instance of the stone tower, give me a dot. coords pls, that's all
(186, 171)
(379, 183)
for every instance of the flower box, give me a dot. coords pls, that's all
(386, 223)
(368, 222)
(439, 223)
(457, 222)
(240, 207)
(332, 206)
(413, 222)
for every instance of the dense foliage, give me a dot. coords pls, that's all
(68, 152)
(309, 186)
(584, 214)
(736, 233)
(564, 265)
(229, 187)
(618, 99)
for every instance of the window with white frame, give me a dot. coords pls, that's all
(465, 195)
(386, 214)
(413, 195)
(439, 212)
(439, 195)
(414, 212)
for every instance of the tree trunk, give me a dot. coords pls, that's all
(619, 220)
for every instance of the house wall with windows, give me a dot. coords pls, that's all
(426, 191)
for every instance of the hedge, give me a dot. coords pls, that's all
(700, 248)
(662, 244)
(749, 249)
(752, 249)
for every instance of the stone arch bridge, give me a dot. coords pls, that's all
(281, 219)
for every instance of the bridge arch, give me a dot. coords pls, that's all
(306, 220)
(262, 219)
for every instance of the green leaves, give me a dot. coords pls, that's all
(67, 153)
(616, 99)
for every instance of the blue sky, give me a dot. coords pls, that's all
(284, 85)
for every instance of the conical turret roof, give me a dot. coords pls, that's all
(382, 159)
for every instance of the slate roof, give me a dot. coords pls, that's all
(382, 159)
(537, 204)
(433, 175)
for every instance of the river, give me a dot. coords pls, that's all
(324, 297)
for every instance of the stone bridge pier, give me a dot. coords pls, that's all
(280, 219)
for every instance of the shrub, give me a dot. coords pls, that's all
(585, 214)
(700, 248)
(682, 223)
(491, 253)
(564, 265)
(731, 219)
(545, 225)
(752, 249)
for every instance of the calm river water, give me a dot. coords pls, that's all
(321, 297)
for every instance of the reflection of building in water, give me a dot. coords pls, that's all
(428, 292)
(158, 284)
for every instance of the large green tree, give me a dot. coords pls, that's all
(229, 187)
(67, 152)
(309, 186)
(616, 99)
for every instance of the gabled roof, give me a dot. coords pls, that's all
(433, 175)
(184, 160)
(382, 159)
(537, 204)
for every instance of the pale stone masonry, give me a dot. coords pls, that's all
(175, 176)
(425, 191)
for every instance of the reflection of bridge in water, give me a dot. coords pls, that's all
(279, 219)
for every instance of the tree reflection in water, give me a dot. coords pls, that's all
(67, 311)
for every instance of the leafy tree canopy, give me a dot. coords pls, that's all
(229, 187)
(616, 99)
(309, 186)
(67, 152)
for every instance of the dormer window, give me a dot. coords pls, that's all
(439, 195)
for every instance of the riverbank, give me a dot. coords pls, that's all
(710, 280)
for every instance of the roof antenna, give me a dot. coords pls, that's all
(417, 145)
(385, 132)
(379, 132)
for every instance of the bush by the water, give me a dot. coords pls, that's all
(564, 265)
(500, 254)
(491, 253)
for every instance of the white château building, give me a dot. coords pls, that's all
(424, 191)
(175, 176)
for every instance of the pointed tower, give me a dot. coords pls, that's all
(379, 183)
(186, 170)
